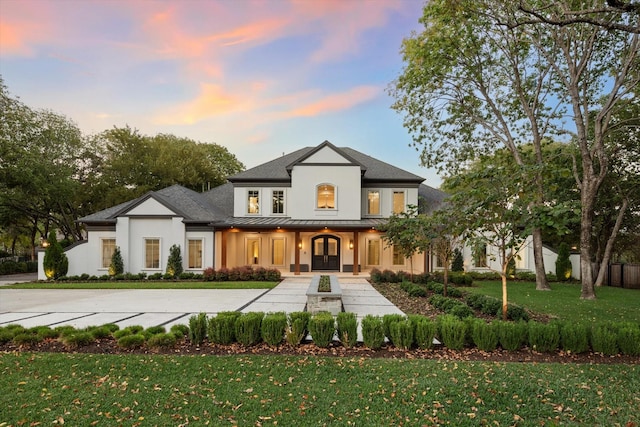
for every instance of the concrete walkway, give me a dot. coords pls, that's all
(150, 307)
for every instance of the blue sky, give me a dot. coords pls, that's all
(261, 78)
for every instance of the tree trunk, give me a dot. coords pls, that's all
(586, 221)
(504, 295)
(609, 248)
(446, 280)
(541, 275)
(503, 274)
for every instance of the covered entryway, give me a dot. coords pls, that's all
(325, 253)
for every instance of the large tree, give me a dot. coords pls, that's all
(128, 164)
(40, 154)
(480, 76)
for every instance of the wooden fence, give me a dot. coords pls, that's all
(623, 276)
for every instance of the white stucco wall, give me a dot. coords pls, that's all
(345, 179)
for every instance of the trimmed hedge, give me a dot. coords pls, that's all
(404, 332)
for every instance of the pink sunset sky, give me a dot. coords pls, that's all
(261, 78)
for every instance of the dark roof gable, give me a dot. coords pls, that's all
(373, 170)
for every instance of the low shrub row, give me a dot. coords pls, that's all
(72, 338)
(451, 306)
(491, 306)
(245, 273)
(16, 267)
(413, 331)
(388, 276)
(455, 278)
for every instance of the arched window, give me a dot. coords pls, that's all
(326, 196)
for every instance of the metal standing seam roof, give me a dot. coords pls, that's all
(286, 222)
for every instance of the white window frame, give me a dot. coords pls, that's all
(257, 205)
(201, 240)
(246, 250)
(393, 254)
(284, 251)
(367, 250)
(368, 210)
(144, 255)
(284, 207)
(335, 197)
(102, 259)
(393, 200)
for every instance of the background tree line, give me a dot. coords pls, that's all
(51, 174)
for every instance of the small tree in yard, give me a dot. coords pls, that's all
(174, 263)
(117, 264)
(487, 197)
(406, 231)
(55, 262)
(443, 235)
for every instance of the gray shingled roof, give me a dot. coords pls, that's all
(430, 199)
(183, 201)
(276, 170)
(216, 205)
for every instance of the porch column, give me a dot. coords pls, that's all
(356, 265)
(426, 260)
(223, 249)
(296, 270)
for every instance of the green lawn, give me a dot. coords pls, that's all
(143, 390)
(143, 284)
(563, 301)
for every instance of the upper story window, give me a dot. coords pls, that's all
(373, 202)
(253, 202)
(326, 196)
(278, 202)
(398, 202)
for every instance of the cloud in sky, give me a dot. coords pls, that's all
(237, 71)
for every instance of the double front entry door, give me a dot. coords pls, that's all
(326, 253)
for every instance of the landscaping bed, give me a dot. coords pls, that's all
(185, 348)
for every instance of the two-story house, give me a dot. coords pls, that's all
(316, 209)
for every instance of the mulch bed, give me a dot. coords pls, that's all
(109, 346)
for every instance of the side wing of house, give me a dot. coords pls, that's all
(145, 229)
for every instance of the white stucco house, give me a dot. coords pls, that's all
(316, 209)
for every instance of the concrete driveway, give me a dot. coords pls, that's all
(150, 307)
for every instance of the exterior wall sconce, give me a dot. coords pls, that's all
(350, 244)
(300, 244)
(45, 243)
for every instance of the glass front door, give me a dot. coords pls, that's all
(326, 253)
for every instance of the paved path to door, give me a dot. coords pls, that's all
(150, 307)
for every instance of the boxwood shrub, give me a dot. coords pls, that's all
(248, 328)
(425, 331)
(221, 328)
(372, 331)
(347, 328)
(273, 327)
(402, 334)
(452, 331)
(322, 328)
(544, 337)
